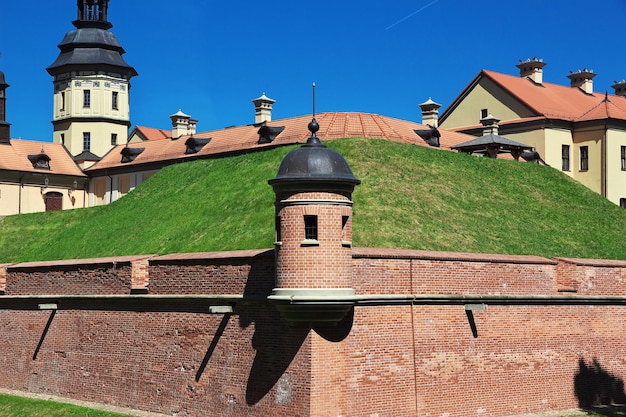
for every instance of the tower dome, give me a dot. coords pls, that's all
(314, 166)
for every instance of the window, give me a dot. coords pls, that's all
(484, 113)
(584, 158)
(622, 203)
(310, 227)
(86, 141)
(623, 156)
(565, 157)
(346, 235)
(62, 138)
(87, 98)
(114, 100)
(62, 100)
(278, 236)
(113, 139)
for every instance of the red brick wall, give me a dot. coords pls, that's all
(384, 360)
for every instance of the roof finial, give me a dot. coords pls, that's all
(313, 126)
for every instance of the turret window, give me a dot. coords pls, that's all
(114, 100)
(62, 100)
(87, 98)
(113, 139)
(623, 158)
(310, 229)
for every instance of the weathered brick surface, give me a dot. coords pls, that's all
(382, 360)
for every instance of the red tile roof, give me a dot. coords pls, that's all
(151, 133)
(332, 126)
(552, 101)
(14, 157)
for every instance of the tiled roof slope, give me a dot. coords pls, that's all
(14, 157)
(334, 125)
(558, 101)
(151, 133)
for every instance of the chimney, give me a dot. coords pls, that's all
(490, 125)
(180, 124)
(192, 126)
(5, 128)
(582, 79)
(430, 113)
(532, 69)
(620, 88)
(263, 109)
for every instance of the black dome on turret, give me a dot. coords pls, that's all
(314, 163)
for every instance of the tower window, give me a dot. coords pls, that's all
(346, 238)
(87, 98)
(623, 157)
(114, 100)
(310, 227)
(62, 138)
(113, 139)
(62, 100)
(86, 141)
(584, 158)
(622, 203)
(565, 157)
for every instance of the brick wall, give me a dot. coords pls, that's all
(383, 359)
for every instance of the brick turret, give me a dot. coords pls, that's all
(313, 190)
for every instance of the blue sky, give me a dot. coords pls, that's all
(211, 58)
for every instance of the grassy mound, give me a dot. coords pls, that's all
(410, 197)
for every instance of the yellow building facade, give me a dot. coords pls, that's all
(574, 129)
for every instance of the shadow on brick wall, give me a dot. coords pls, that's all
(598, 390)
(276, 344)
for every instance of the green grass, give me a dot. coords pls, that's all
(11, 406)
(410, 197)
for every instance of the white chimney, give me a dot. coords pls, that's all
(180, 124)
(620, 88)
(430, 113)
(532, 69)
(490, 125)
(582, 79)
(263, 109)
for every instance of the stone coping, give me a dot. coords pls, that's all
(357, 253)
(449, 256)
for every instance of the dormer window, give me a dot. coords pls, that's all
(40, 161)
(194, 145)
(267, 134)
(430, 136)
(129, 154)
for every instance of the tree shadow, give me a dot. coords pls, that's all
(598, 391)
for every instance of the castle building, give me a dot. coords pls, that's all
(91, 86)
(574, 128)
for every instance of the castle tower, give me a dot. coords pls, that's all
(91, 85)
(5, 128)
(313, 246)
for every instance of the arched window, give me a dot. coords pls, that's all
(54, 201)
